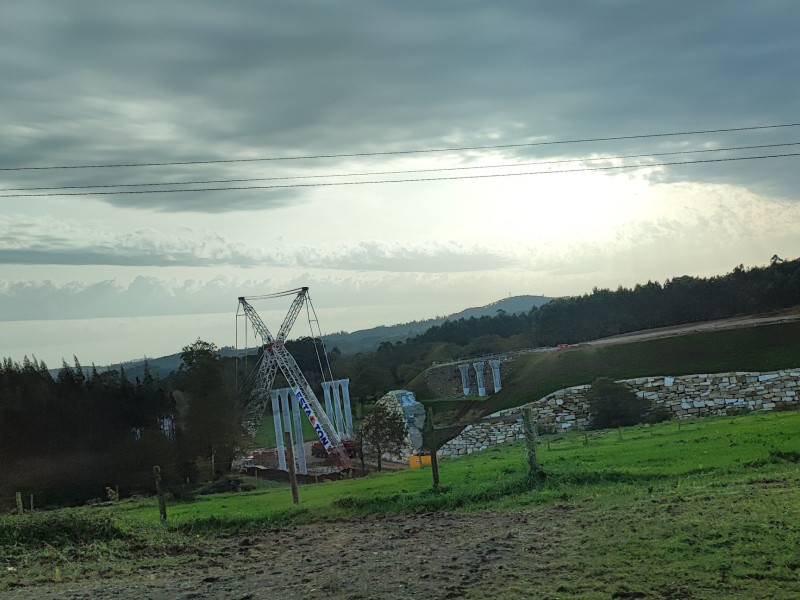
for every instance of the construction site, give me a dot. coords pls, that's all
(276, 387)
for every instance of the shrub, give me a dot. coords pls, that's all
(58, 528)
(547, 428)
(659, 414)
(614, 404)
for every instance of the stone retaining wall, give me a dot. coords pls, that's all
(685, 397)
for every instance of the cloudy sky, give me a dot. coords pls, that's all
(402, 159)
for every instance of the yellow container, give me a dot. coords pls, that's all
(416, 462)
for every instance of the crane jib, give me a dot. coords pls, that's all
(314, 422)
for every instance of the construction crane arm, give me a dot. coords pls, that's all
(278, 357)
(311, 407)
(291, 316)
(258, 324)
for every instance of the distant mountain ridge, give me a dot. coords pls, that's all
(364, 340)
(369, 339)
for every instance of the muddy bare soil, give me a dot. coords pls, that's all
(475, 555)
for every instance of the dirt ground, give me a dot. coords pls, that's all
(474, 555)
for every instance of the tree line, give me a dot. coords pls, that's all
(678, 301)
(66, 438)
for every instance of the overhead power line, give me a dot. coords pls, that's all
(420, 179)
(413, 151)
(403, 171)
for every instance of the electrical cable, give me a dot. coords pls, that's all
(317, 336)
(275, 295)
(415, 151)
(420, 179)
(405, 171)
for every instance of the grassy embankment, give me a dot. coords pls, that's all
(715, 503)
(533, 376)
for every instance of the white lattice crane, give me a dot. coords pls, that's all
(276, 357)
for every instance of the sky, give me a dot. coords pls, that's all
(401, 159)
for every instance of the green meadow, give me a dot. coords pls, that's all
(715, 501)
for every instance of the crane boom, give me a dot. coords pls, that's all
(291, 316)
(277, 357)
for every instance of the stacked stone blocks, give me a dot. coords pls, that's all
(685, 396)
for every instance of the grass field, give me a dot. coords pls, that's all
(715, 503)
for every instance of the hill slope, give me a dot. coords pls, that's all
(531, 376)
(369, 339)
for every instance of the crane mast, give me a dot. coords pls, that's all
(277, 357)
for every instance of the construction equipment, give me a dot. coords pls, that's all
(352, 447)
(276, 357)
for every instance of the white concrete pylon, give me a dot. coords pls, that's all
(276, 419)
(326, 390)
(286, 414)
(285, 394)
(299, 444)
(337, 408)
(479, 376)
(348, 413)
(495, 364)
(464, 378)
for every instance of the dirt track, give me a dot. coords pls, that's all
(732, 323)
(475, 555)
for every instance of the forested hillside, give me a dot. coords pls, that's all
(679, 300)
(575, 319)
(369, 339)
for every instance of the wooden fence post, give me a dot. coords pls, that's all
(19, 503)
(287, 438)
(432, 444)
(162, 502)
(529, 429)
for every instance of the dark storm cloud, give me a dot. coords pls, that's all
(98, 82)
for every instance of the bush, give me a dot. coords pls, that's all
(58, 528)
(226, 483)
(659, 414)
(614, 404)
(547, 428)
